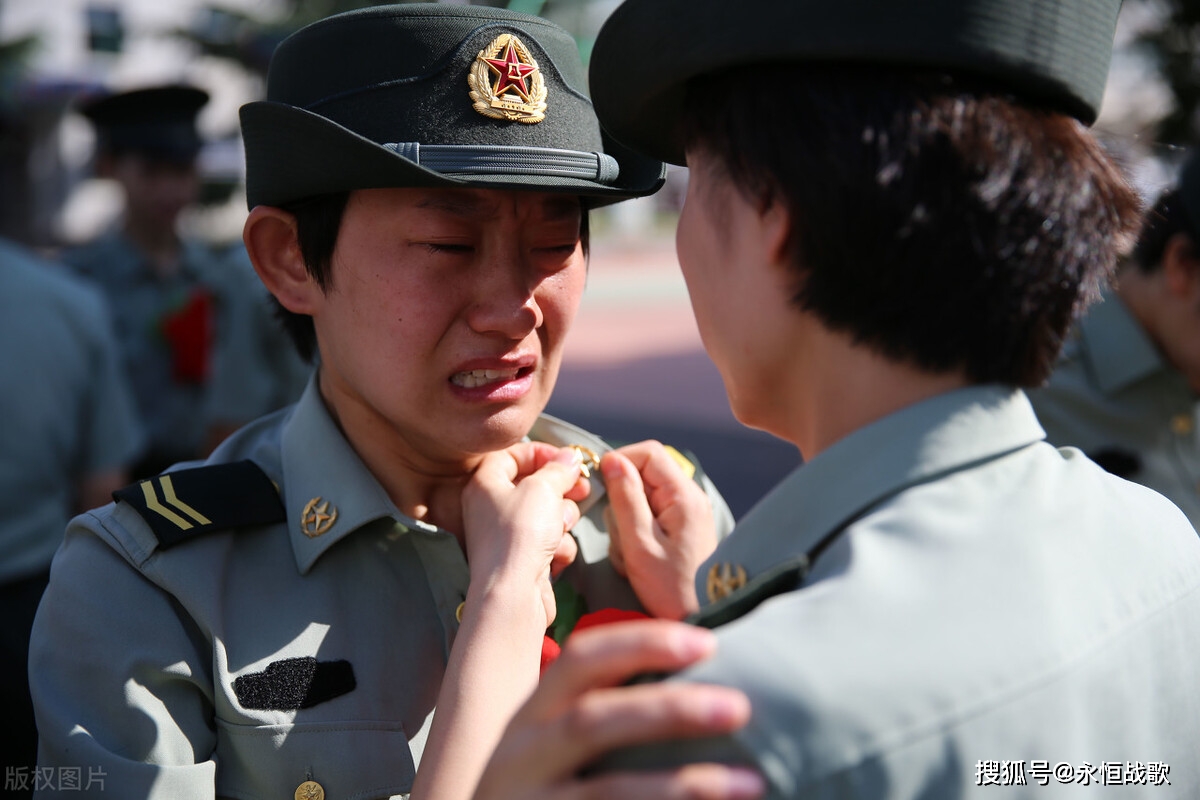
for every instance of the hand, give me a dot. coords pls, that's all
(660, 527)
(517, 509)
(581, 711)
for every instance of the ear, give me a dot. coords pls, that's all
(274, 249)
(1181, 266)
(776, 228)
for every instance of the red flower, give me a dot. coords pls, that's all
(605, 616)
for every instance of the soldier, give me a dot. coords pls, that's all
(1125, 389)
(893, 210)
(70, 434)
(285, 619)
(188, 317)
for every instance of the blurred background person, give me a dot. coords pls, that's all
(70, 433)
(1125, 390)
(192, 322)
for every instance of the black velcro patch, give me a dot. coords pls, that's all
(188, 502)
(294, 683)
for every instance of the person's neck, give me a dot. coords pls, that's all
(839, 387)
(159, 245)
(426, 488)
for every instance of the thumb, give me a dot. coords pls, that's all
(627, 497)
(562, 471)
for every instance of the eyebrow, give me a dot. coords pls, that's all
(471, 206)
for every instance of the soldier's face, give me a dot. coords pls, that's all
(732, 255)
(442, 329)
(156, 191)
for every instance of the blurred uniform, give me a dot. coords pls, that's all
(1115, 397)
(67, 416)
(189, 322)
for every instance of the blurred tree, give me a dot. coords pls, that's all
(1173, 45)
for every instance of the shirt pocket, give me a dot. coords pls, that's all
(352, 760)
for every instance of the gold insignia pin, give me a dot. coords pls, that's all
(310, 790)
(724, 580)
(1182, 424)
(590, 460)
(318, 517)
(506, 82)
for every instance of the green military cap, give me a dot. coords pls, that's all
(1189, 192)
(1053, 53)
(432, 95)
(159, 121)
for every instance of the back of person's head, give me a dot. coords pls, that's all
(426, 96)
(948, 207)
(1177, 211)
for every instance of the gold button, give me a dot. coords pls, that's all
(724, 580)
(1182, 424)
(458, 611)
(310, 790)
(318, 517)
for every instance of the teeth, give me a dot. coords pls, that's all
(478, 377)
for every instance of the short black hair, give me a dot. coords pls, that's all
(1167, 218)
(934, 220)
(318, 220)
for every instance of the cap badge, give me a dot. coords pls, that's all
(318, 517)
(506, 83)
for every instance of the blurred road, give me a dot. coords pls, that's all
(635, 368)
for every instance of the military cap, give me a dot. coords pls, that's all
(1053, 53)
(432, 95)
(159, 121)
(1189, 192)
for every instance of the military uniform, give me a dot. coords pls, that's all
(67, 415)
(1114, 397)
(939, 591)
(179, 407)
(983, 597)
(299, 635)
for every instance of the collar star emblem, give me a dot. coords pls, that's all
(506, 83)
(318, 517)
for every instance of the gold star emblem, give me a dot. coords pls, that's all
(724, 579)
(589, 460)
(318, 517)
(506, 82)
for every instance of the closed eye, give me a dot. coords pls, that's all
(446, 247)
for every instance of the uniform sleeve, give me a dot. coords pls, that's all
(112, 434)
(121, 680)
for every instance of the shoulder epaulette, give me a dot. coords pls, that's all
(187, 503)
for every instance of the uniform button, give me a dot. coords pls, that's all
(1182, 424)
(310, 790)
(459, 611)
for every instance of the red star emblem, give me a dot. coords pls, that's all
(512, 72)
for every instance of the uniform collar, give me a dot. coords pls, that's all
(320, 466)
(916, 444)
(1116, 348)
(130, 261)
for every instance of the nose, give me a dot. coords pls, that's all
(505, 302)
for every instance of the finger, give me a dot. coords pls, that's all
(506, 466)
(609, 655)
(616, 555)
(693, 782)
(627, 497)
(660, 472)
(564, 555)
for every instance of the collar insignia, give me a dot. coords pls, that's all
(506, 83)
(318, 517)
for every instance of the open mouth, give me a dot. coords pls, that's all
(474, 378)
